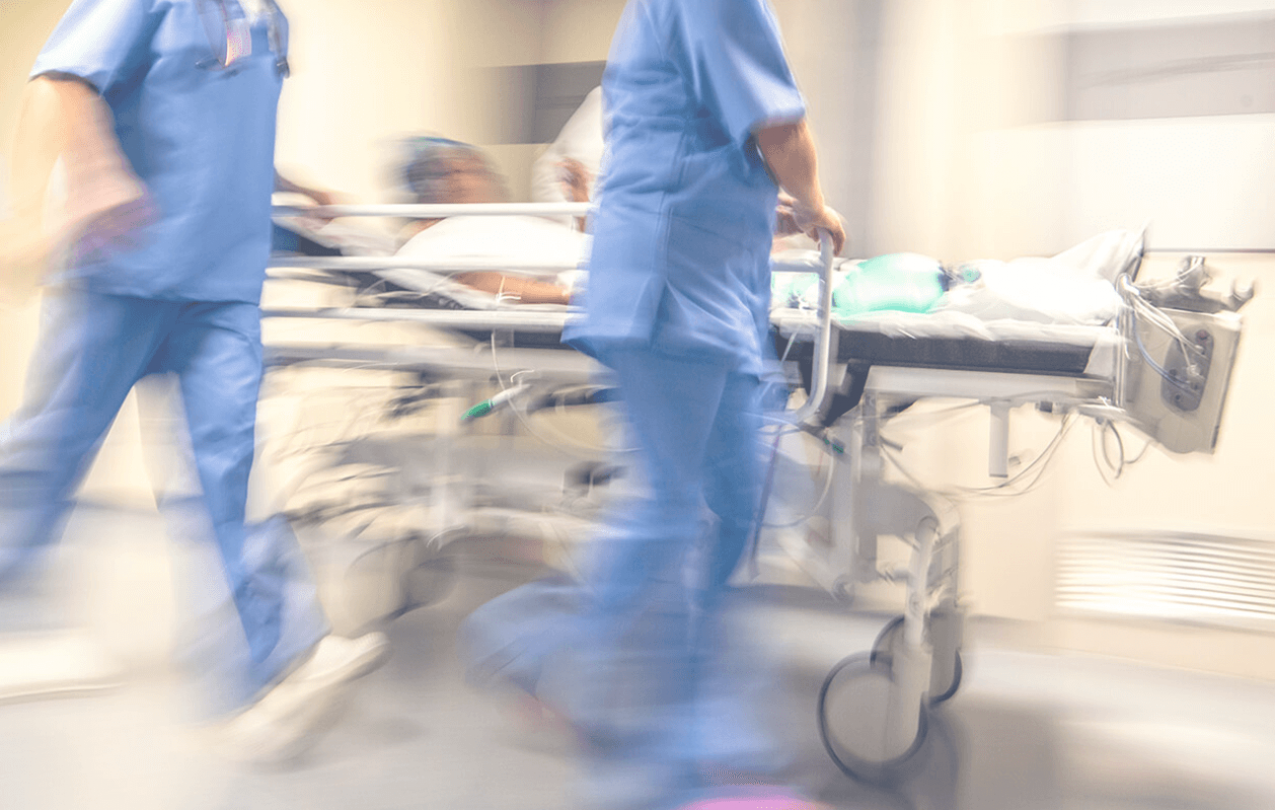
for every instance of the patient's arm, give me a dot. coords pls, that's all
(519, 288)
(320, 196)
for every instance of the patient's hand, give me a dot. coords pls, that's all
(105, 213)
(575, 180)
(575, 184)
(321, 197)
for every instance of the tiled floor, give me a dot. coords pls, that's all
(1026, 731)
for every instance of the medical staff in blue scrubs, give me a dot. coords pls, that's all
(163, 112)
(705, 124)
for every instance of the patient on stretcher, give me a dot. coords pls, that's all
(436, 170)
(444, 171)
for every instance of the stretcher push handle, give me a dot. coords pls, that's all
(823, 338)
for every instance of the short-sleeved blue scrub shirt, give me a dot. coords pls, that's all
(685, 208)
(199, 136)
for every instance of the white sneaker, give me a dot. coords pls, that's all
(57, 664)
(340, 660)
(283, 724)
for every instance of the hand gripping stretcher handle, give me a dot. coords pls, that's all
(823, 337)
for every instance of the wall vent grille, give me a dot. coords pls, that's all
(1175, 576)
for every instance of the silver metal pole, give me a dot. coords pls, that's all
(823, 338)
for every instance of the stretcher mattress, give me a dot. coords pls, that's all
(948, 341)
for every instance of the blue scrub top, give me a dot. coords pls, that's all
(201, 139)
(685, 208)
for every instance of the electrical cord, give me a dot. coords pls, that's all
(1038, 465)
(556, 438)
(1101, 455)
(1141, 310)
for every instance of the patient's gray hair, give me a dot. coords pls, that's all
(429, 162)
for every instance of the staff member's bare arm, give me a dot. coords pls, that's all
(63, 116)
(789, 152)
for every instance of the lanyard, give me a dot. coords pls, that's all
(236, 28)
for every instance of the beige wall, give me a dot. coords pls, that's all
(579, 30)
(394, 68)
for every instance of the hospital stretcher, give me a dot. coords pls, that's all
(1163, 370)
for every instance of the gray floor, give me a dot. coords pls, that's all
(1026, 732)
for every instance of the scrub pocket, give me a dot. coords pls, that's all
(716, 284)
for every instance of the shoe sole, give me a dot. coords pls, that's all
(296, 735)
(296, 729)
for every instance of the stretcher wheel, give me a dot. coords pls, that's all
(844, 590)
(941, 688)
(855, 723)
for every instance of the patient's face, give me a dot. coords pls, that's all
(469, 180)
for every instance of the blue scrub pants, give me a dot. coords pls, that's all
(640, 655)
(93, 349)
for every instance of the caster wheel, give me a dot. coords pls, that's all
(843, 590)
(883, 648)
(855, 724)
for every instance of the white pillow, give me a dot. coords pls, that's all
(501, 242)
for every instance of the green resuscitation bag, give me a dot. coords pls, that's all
(894, 282)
